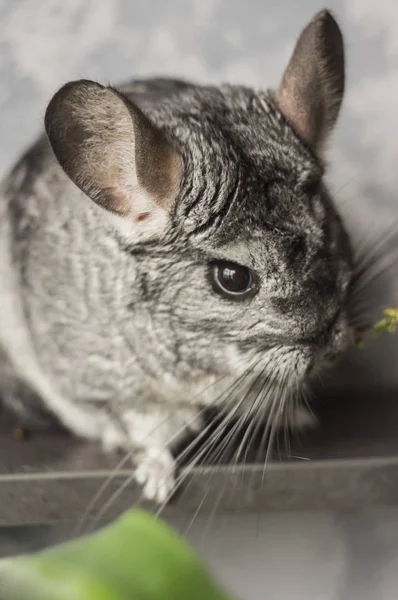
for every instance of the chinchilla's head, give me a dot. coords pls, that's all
(219, 195)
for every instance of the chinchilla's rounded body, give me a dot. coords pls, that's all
(169, 246)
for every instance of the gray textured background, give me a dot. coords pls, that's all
(43, 43)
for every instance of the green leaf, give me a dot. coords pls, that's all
(388, 324)
(136, 558)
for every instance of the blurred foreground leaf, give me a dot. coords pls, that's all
(136, 558)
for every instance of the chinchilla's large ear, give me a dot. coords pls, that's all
(312, 88)
(112, 152)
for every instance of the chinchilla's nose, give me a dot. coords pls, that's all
(309, 320)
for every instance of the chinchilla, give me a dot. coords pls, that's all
(170, 246)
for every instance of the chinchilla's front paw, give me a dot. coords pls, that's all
(155, 472)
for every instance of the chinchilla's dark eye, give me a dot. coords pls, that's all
(231, 280)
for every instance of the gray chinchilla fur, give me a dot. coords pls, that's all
(169, 246)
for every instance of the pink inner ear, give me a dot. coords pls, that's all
(142, 217)
(121, 201)
(124, 206)
(295, 111)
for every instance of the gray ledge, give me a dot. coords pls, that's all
(350, 462)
